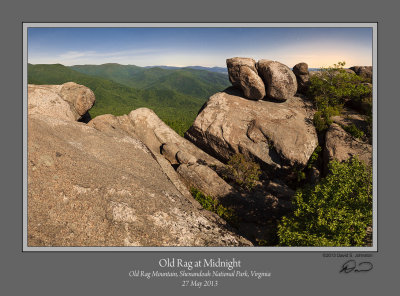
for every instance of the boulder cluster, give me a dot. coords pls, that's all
(270, 125)
(265, 79)
(280, 136)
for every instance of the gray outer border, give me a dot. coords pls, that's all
(374, 247)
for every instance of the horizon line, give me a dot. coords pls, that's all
(176, 66)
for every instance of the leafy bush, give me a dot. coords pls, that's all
(354, 131)
(300, 176)
(245, 173)
(335, 212)
(297, 177)
(330, 88)
(322, 118)
(210, 204)
(335, 84)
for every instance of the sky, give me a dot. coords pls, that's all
(206, 47)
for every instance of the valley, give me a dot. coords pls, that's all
(176, 95)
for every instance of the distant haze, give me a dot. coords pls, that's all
(207, 47)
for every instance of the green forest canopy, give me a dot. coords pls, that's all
(176, 95)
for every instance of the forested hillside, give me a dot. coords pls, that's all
(194, 82)
(175, 95)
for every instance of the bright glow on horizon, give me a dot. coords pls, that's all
(206, 47)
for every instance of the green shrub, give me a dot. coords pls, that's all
(330, 88)
(243, 172)
(262, 242)
(297, 177)
(210, 204)
(322, 118)
(300, 176)
(335, 84)
(335, 212)
(314, 156)
(354, 131)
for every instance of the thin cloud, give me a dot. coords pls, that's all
(204, 47)
(94, 57)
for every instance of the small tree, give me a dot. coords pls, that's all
(335, 212)
(245, 173)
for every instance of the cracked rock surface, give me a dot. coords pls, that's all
(96, 185)
(276, 135)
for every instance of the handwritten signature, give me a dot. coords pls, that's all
(353, 266)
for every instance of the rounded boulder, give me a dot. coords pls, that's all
(280, 82)
(300, 70)
(243, 74)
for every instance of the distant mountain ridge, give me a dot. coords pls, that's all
(211, 69)
(146, 77)
(175, 95)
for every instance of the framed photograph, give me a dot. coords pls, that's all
(200, 136)
(222, 149)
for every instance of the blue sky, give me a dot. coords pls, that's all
(199, 46)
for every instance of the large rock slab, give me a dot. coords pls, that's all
(280, 82)
(277, 135)
(340, 146)
(196, 169)
(206, 180)
(112, 125)
(69, 101)
(168, 148)
(243, 75)
(144, 124)
(92, 188)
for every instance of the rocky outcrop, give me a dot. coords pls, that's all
(69, 101)
(189, 167)
(127, 180)
(349, 117)
(100, 185)
(340, 146)
(194, 167)
(155, 134)
(280, 82)
(205, 179)
(264, 78)
(302, 77)
(275, 135)
(363, 71)
(243, 75)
